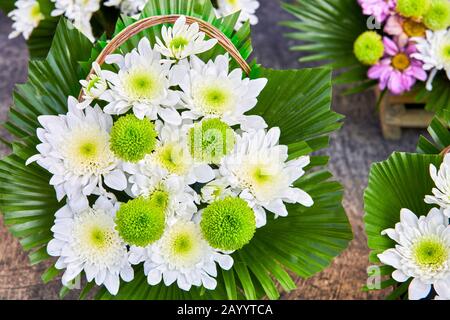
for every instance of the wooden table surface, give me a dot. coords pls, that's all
(356, 146)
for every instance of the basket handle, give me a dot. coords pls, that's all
(445, 151)
(147, 23)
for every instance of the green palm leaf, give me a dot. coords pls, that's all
(50, 81)
(440, 135)
(402, 181)
(437, 100)
(7, 5)
(327, 30)
(298, 101)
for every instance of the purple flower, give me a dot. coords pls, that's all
(398, 70)
(380, 9)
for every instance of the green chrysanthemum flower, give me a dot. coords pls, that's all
(413, 8)
(210, 140)
(228, 224)
(132, 138)
(140, 222)
(438, 17)
(369, 48)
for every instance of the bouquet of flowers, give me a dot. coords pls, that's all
(36, 20)
(407, 219)
(165, 166)
(403, 46)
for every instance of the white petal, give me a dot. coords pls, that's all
(112, 283)
(54, 247)
(170, 115)
(418, 290)
(154, 277)
(277, 207)
(390, 257)
(127, 273)
(169, 277)
(399, 276)
(442, 288)
(225, 261)
(408, 217)
(204, 173)
(116, 180)
(209, 282)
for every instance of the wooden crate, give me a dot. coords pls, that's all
(394, 115)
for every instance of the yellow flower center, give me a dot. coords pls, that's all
(86, 151)
(401, 62)
(235, 4)
(413, 28)
(99, 237)
(141, 84)
(172, 157)
(261, 176)
(215, 100)
(183, 245)
(178, 43)
(430, 253)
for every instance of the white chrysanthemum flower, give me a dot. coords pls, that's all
(210, 91)
(422, 252)
(26, 17)
(181, 256)
(246, 7)
(75, 149)
(88, 241)
(441, 178)
(146, 180)
(217, 189)
(141, 84)
(93, 88)
(172, 156)
(128, 7)
(79, 12)
(434, 51)
(72, 8)
(259, 171)
(183, 40)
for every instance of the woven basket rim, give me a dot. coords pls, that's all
(153, 21)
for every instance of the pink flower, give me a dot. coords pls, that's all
(394, 27)
(398, 70)
(380, 9)
(404, 29)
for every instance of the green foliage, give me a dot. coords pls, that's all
(7, 5)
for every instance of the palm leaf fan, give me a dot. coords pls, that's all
(402, 181)
(298, 101)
